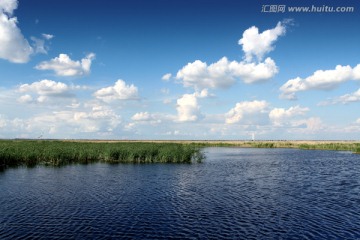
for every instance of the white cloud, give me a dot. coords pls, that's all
(142, 116)
(187, 108)
(95, 120)
(13, 46)
(43, 91)
(255, 44)
(146, 118)
(39, 44)
(120, 91)
(64, 66)
(45, 87)
(47, 36)
(310, 125)
(223, 73)
(252, 72)
(281, 116)
(25, 99)
(320, 80)
(344, 99)
(246, 108)
(203, 94)
(166, 77)
(8, 6)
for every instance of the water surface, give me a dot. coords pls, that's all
(236, 193)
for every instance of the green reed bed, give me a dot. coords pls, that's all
(58, 153)
(354, 147)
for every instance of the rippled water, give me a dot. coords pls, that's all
(235, 194)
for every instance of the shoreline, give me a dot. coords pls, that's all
(336, 145)
(347, 145)
(59, 152)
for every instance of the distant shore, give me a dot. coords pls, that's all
(240, 143)
(353, 145)
(338, 145)
(196, 140)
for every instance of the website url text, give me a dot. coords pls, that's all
(308, 9)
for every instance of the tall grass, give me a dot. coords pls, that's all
(57, 153)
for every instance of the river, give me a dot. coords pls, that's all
(236, 193)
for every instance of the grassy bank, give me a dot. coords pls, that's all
(352, 146)
(57, 153)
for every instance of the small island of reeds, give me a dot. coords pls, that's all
(58, 153)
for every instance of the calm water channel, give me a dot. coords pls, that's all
(235, 193)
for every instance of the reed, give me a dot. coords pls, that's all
(58, 153)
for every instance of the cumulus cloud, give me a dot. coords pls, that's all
(281, 116)
(8, 6)
(188, 108)
(94, 120)
(146, 118)
(223, 73)
(142, 116)
(349, 98)
(255, 44)
(344, 99)
(120, 91)
(320, 80)
(79, 121)
(64, 66)
(246, 108)
(13, 46)
(46, 87)
(100, 118)
(43, 90)
(166, 77)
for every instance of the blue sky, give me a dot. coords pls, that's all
(161, 69)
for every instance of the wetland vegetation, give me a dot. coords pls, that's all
(57, 153)
(353, 146)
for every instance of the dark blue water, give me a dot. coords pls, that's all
(235, 194)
